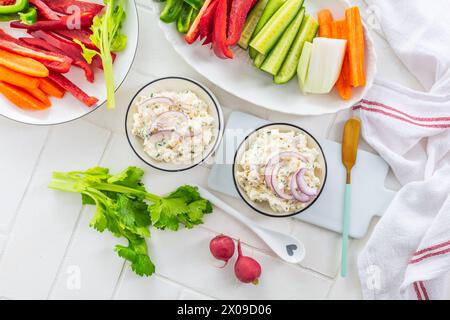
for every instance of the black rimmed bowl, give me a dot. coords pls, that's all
(176, 84)
(263, 207)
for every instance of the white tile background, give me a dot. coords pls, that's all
(45, 237)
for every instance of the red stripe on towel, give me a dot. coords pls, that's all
(425, 293)
(391, 115)
(437, 246)
(416, 289)
(431, 119)
(429, 255)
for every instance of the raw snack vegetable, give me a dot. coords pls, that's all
(28, 17)
(325, 19)
(194, 30)
(247, 269)
(222, 248)
(303, 66)
(220, 43)
(339, 31)
(69, 86)
(325, 65)
(171, 11)
(18, 6)
(85, 20)
(51, 88)
(307, 33)
(184, 18)
(274, 28)
(356, 47)
(238, 13)
(108, 37)
(126, 209)
(251, 22)
(271, 7)
(275, 59)
(18, 79)
(22, 64)
(20, 98)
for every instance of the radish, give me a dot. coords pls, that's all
(222, 248)
(246, 269)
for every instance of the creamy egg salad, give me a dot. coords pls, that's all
(281, 169)
(176, 127)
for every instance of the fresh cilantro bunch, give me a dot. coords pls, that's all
(126, 209)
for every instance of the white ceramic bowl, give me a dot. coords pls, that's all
(263, 207)
(175, 84)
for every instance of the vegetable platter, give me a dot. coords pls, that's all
(63, 62)
(292, 56)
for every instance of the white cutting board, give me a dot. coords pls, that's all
(369, 195)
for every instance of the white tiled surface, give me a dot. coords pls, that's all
(45, 239)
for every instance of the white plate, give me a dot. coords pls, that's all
(239, 77)
(69, 108)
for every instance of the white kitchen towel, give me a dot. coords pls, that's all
(408, 254)
(419, 33)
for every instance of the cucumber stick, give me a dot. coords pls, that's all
(307, 33)
(250, 23)
(274, 28)
(303, 66)
(275, 59)
(271, 7)
(259, 59)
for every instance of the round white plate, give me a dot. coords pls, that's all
(239, 77)
(69, 108)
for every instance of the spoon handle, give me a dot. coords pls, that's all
(225, 207)
(345, 229)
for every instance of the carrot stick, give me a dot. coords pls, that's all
(23, 65)
(325, 18)
(40, 95)
(339, 31)
(51, 88)
(18, 79)
(20, 97)
(356, 47)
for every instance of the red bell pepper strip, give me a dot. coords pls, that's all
(83, 35)
(219, 39)
(238, 14)
(66, 6)
(194, 30)
(71, 22)
(207, 20)
(67, 47)
(44, 11)
(69, 86)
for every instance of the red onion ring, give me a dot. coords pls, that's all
(280, 193)
(299, 196)
(160, 135)
(153, 100)
(274, 160)
(303, 186)
(165, 119)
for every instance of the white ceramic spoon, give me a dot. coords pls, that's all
(285, 246)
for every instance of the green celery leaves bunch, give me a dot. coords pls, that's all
(126, 209)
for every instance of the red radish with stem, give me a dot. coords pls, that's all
(222, 248)
(247, 269)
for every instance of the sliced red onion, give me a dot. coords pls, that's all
(161, 135)
(154, 100)
(168, 121)
(303, 186)
(299, 196)
(276, 159)
(280, 193)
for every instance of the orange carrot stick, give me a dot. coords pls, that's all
(325, 18)
(23, 65)
(20, 97)
(51, 88)
(18, 79)
(339, 31)
(40, 95)
(356, 47)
